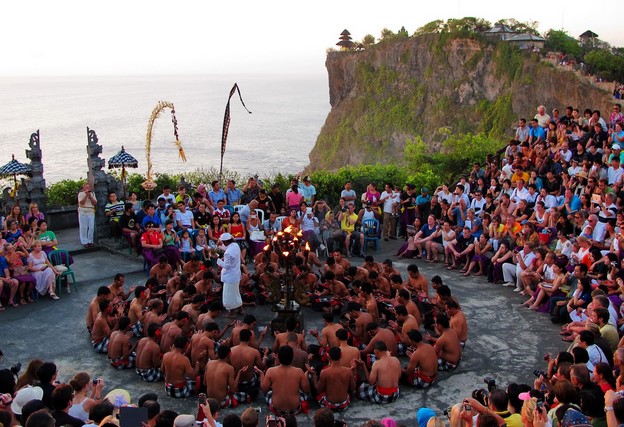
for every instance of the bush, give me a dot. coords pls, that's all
(64, 193)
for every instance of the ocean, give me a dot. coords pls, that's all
(288, 113)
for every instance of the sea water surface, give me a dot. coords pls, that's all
(288, 113)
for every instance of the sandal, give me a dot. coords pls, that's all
(14, 305)
(54, 297)
(23, 301)
(568, 339)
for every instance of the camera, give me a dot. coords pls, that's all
(539, 373)
(467, 407)
(540, 404)
(16, 368)
(202, 398)
(95, 381)
(491, 383)
(481, 396)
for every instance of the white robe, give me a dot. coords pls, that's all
(230, 276)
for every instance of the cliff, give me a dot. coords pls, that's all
(393, 91)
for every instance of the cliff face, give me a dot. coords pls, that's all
(394, 91)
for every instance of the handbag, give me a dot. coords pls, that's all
(257, 236)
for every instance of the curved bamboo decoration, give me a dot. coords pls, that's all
(149, 184)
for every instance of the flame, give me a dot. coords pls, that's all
(288, 229)
(281, 233)
(275, 239)
(307, 246)
(285, 253)
(300, 233)
(266, 248)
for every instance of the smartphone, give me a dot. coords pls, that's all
(202, 398)
(467, 407)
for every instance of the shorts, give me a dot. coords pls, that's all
(123, 363)
(380, 395)
(324, 403)
(303, 404)
(137, 329)
(150, 375)
(444, 365)
(181, 390)
(420, 380)
(100, 347)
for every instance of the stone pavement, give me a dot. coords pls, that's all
(505, 341)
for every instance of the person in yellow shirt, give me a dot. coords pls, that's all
(519, 174)
(348, 219)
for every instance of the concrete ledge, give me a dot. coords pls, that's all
(60, 218)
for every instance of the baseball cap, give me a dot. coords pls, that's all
(226, 236)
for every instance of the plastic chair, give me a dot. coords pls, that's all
(61, 257)
(260, 215)
(230, 209)
(372, 233)
(278, 222)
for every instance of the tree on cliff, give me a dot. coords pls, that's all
(368, 40)
(521, 27)
(560, 41)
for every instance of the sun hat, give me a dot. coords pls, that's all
(226, 237)
(24, 396)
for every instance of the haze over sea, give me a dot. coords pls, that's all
(288, 113)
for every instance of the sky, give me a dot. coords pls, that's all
(121, 37)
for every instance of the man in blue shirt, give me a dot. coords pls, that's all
(308, 191)
(151, 217)
(536, 133)
(216, 194)
(233, 194)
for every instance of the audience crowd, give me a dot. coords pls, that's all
(544, 217)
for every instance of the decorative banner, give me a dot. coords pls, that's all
(149, 184)
(226, 123)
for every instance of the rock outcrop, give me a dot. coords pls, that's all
(393, 91)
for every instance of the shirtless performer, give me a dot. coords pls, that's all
(249, 322)
(366, 291)
(204, 342)
(334, 267)
(458, 321)
(388, 269)
(383, 382)
(155, 313)
(378, 334)
(135, 312)
(104, 324)
(405, 323)
(103, 293)
(328, 333)
(162, 271)
(180, 377)
(380, 284)
(148, 355)
(176, 283)
(117, 289)
(172, 330)
(447, 345)
(371, 265)
(404, 298)
(341, 260)
(280, 382)
(120, 349)
(221, 381)
(357, 273)
(417, 282)
(423, 365)
(192, 267)
(194, 306)
(362, 318)
(214, 310)
(244, 359)
(335, 384)
(179, 299)
(300, 357)
(349, 352)
(291, 326)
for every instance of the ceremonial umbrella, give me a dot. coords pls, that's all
(123, 160)
(14, 168)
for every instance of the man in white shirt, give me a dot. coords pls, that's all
(389, 221)
(230, 274)
(614, 174)
(542, 118)
(520, 192)
(523, 259)
(522, 133)
(549, 200)
(596, 355)
(477, 203)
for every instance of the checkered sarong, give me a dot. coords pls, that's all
(418, 379)
(150, 375)
(181, 390)
(324, 403)
(100, 347)
(401, 348)
(444, 365)
(137, 329)
(371, 394)
(122, 363)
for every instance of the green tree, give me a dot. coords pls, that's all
(520, 27)
(368, 40)
(435, 27)
(560, 41)
(403, 33)
(604, 63)
(387, 34)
